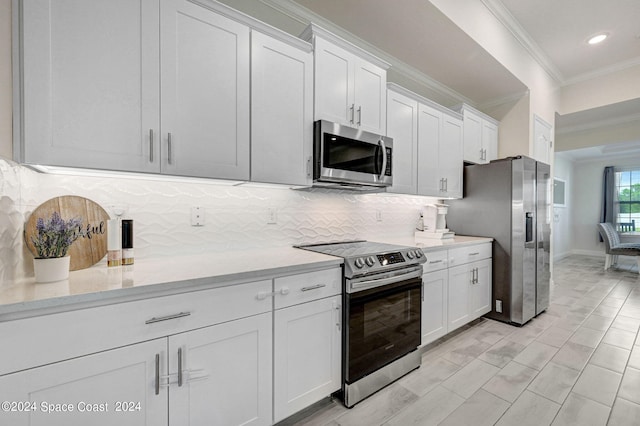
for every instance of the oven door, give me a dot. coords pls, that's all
(346, 155)
(383, 324)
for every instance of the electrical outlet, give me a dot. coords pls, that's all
(197, 216)
(272, 216)
(499, 306)
(379, 215)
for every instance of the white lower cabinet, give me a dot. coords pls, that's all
(460, 278)
(103, 389)
(216, 375)
(457, 286)
(307, 356)
(434, 305)
(480, 291)
(225, 374)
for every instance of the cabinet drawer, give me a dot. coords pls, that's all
(36, 341)
(462, 255)
(302, 288)
(436, 260)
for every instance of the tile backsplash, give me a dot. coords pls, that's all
(236, 217)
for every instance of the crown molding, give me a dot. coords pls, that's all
(305, 16)
(506, 18)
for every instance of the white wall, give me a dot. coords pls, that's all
(562, 216)
(603, 90)
(5, 80)
(586, 200)
(603, 135)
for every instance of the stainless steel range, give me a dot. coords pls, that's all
(382, 316)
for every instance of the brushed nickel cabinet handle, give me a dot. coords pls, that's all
(180, 367)
(167, 318)
(151, 145)
(313, 287)
(360, 115)
(157, 374)
(352, 109)
(169, 148)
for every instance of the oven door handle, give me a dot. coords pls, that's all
(355, 285)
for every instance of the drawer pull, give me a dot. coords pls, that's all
(167, 318)
(474, 254)
(313, 287)
(435, 261)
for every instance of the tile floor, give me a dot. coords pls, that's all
(576, 364)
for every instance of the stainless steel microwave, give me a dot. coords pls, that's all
(344, 156)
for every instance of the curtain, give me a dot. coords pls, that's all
(607, 213)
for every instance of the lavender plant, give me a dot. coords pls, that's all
(56, 235)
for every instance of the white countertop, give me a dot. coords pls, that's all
(432, 244)
(101, 285)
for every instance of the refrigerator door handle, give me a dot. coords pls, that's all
(529, 227)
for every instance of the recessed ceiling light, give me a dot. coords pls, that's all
(599, 38)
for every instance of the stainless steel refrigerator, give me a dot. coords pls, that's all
(509, 200)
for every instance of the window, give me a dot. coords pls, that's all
(627, 199)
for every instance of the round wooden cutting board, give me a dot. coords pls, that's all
(87, 249)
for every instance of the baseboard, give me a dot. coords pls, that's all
(557, 257)
(592, 253)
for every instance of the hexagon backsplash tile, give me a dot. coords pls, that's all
(235, 216)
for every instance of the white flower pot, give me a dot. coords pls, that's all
(53, 269)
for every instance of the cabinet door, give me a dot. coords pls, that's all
(489, 141)
(90, 84)
(281, 112)
(226, 374)
(434, 305)
(480, 292)
(333, 83)
(205, 93)
(370, 97)
(402, 126)
(307, 355)
(458, 296)
(450, 150)
(472, 138)
(429, 178)
(94, 389)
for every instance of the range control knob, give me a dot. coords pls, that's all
(370, 261)
(418, 254)
(410, 254)
(359, 263)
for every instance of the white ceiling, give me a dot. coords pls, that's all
(560, 28)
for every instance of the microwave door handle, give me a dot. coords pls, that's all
(383, 149)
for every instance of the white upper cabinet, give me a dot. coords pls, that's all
(350, 84)
(136, 86)
(281, 111)
(480, 136)
(427, 142)
(402, 126)
(205, 93)
(90, 84)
